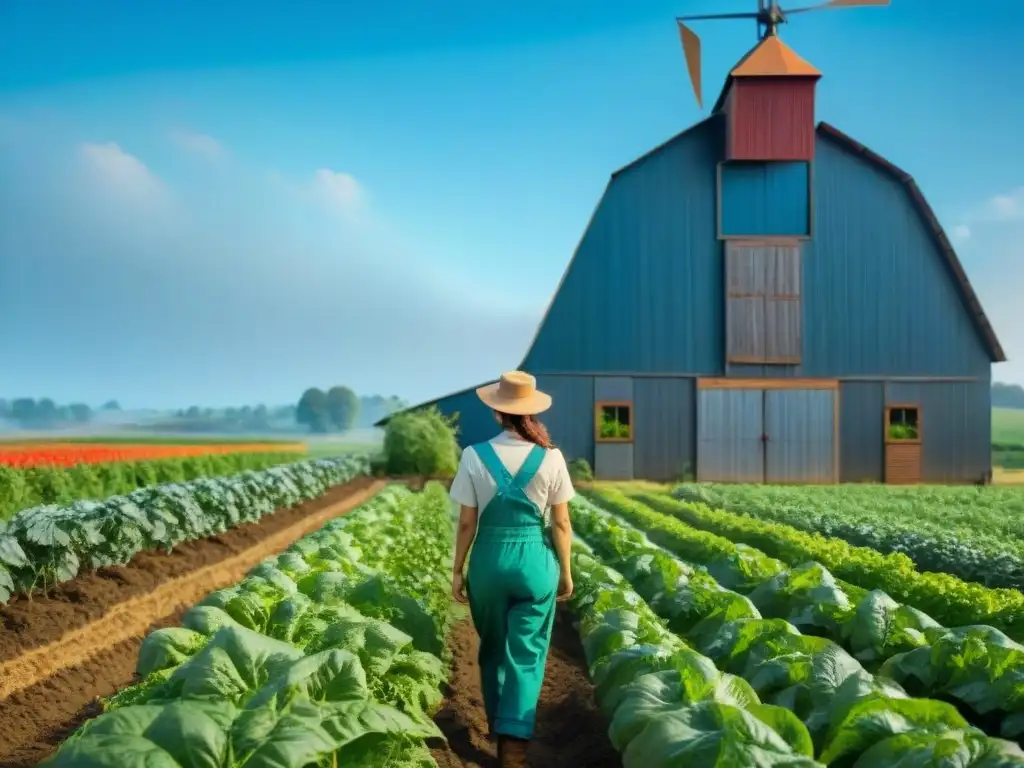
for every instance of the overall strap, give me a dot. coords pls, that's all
(494, 466)
(530, 467)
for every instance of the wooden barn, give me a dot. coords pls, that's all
(763, 299)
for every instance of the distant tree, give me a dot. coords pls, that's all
(193, 412)
(342, 408)
(311, 410)
(5, 409)
(23, 410)
(1007, 395)
(111, 405)
(46, 412)
(80, 412)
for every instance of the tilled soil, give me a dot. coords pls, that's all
(570, 730)
(59, 652)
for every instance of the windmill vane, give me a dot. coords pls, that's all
(768, 16)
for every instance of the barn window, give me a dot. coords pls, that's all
(903, 424)
(614, 423)
(764, 308)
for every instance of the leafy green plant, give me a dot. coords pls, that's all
(421, 443)
(580, 471)
(35, 486)
(902, 432)
(610, 428)
(845, 708)
(295, 666)
(44, 545)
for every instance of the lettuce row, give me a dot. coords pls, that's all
(976, 666)
(948, 599)
(328, 654)
(42, 546)
(668, 705)
(852, 717)
(974, 533)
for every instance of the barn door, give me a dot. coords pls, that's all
(730, 446)
(799, 426)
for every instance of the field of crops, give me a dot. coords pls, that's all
(299, 616)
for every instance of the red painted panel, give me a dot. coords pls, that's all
(771, 118)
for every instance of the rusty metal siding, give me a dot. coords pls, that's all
(570, 420)
(861, 432)
(665, 447)
(764, 199)
(729, 430)
(956, 427)
(772, 118)
(644, 291)
(799, 424)
(879, 298)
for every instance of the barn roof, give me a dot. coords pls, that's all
(981, 322)
(773, 58)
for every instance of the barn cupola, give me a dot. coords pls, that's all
(768, 101)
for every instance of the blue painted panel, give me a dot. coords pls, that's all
(571, 417)
(729, 428)
(765, 198)
(664, 443)
(861, 432)
(956, 428)
(613, 461)
(878, 297)
(800, 428)
(644, 290)
(613, 388)
(475, 420)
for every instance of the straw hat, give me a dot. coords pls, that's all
(515, 393)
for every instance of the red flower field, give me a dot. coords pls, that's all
(23, 455)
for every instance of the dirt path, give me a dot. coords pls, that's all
(570, 733)
(81, 641)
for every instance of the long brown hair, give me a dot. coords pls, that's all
(527, 427)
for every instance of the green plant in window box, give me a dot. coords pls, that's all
(902, 432)
(612, 428)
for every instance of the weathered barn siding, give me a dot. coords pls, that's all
(771, 118)
(769, 199)
(956, 427)
(861, 431)
(665, 415)
(730, 423)
(879, 299)
(800, 426)
(643, 292)
(475, 420)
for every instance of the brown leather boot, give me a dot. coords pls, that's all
(512, 752)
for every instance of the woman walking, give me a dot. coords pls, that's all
(520, 562)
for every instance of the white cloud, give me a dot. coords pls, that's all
(120, 172)
(197, 144)
(1008, 207)
(961, 232)
(339, 190)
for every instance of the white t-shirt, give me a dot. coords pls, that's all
(473, 485)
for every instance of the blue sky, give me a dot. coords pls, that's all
(223, 202)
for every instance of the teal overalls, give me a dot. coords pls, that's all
(512, 584)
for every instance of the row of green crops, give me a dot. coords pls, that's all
(976, 666)
(668, 705)
(970, 532)
(947, 599)
(45, 545)
(329, 654)
(21, 488)
(852, 717)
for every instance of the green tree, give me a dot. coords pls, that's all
(312, 410)
(23, 410)
(342, 408)
(111, 405)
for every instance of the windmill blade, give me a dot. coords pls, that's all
(691, 52)
(707, 17)
(839, 4)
